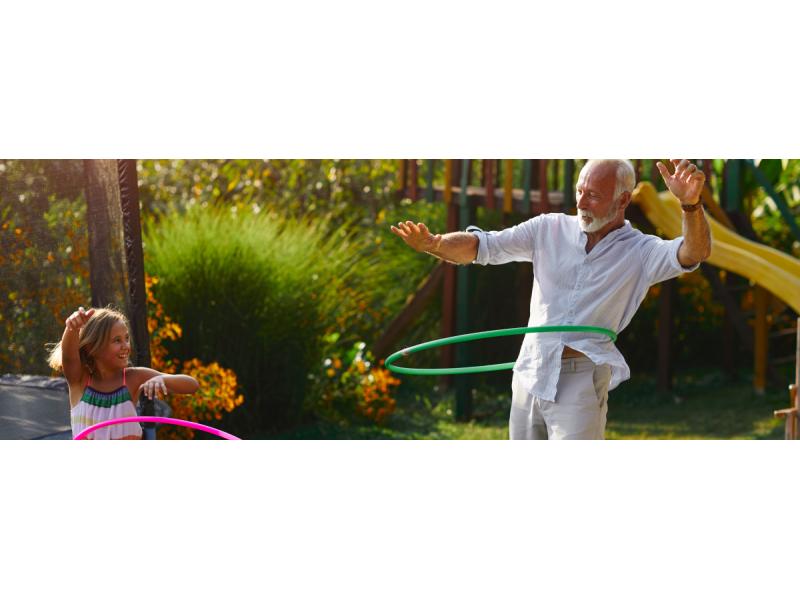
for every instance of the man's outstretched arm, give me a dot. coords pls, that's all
(457, 247)
(686, 184)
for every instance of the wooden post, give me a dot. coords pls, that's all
(535, 173)
(707, 172)
(402, 177)
(730, 341)
(134, 258)
(792, 414)
(448, 181)
(527, 167)
(555, 175)
(655, 176)
(729, 347)
(508, 186)
(544, 201)
(413, 175)
(796, 405)
(448, 319)
(665, 312)
(457, 168)
(106, 263)
(137, 296)
(463, 408)
(449, 284)
(569, 184)
(488, 185)
(761, 349)
(429, 181)
(797, 365)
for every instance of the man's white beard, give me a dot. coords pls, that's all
(597, 223)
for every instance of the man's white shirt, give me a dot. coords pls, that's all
(603, 288)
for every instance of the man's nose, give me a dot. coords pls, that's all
(582, 202)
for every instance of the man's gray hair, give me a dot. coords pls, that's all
(626, 175)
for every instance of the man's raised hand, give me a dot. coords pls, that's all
(686, 183)
(417, 236)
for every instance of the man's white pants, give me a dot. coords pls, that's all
(579, 410)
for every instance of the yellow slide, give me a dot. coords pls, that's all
(771, 269)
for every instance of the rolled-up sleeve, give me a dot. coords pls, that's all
(661, 259)
(483, 252)
(514, 244)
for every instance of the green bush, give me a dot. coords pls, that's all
(255, 293)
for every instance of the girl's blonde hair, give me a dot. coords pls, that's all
(93, 336)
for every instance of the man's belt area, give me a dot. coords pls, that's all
(571, 353)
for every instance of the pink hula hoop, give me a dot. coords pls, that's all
(165, 420)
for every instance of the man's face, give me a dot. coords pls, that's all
(596, 204)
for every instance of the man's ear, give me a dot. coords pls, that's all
(625, 200)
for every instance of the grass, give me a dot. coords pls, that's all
(702, 406)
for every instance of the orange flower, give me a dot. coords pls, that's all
(218, 385)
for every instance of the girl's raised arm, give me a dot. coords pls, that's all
(70, 348)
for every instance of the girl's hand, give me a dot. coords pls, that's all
(78, 319)
(155, 387)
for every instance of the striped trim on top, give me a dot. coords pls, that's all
(105, 399)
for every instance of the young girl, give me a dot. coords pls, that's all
(93, 354)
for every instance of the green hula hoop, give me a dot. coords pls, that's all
(482, 335)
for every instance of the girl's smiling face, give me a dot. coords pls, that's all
(117, 350)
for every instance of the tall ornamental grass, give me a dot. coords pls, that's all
(254, 293)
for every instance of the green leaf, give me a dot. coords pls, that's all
(771, 168)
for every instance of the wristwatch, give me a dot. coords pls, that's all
(692, 207)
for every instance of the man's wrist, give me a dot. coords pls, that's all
(692, 206)
(434, 251)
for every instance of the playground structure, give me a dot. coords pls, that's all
(792, 414)
(776, 271)
(769, 270)
(531, 187)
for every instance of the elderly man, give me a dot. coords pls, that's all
(590, 269)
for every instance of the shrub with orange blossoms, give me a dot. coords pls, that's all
(218, 385)
(161, 327)
(352, 388)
